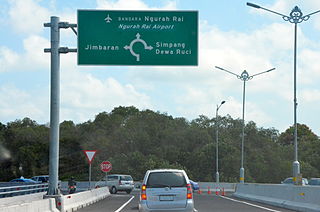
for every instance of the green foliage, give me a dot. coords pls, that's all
(135, 141)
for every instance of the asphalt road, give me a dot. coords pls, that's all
(204, 202)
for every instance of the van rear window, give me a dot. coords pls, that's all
(166, 179)
(126, 178)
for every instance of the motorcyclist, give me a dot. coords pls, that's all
(72, 184)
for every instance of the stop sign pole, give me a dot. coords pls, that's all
(106, 167)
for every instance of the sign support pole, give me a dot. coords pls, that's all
(55, 50)
(90, 155)
(90, 176)
(54, 107)
(106, 178)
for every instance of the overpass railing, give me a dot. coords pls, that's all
(11, 190)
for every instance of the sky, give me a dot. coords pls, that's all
(231, 35)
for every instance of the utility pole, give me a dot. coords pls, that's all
(55, 51)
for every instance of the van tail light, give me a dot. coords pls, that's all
(189, 191)
(143, 192)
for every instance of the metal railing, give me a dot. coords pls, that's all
(23, 189)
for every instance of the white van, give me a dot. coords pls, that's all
(166, 190)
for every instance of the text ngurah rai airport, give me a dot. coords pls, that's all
(149, 22)
(147, 26)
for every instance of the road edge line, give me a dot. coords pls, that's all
(250, 204)
(124, 205)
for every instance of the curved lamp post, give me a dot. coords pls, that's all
(217, 142)
(244, 77)
(295, 17)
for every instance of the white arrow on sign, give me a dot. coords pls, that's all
(90, 154)
(138, 39)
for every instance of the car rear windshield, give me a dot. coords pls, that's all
(126, 178)
(314, 182)
(166, 179)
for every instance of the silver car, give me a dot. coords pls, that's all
(314, 182)
(289, 181)
(166, 190)
(117, 182)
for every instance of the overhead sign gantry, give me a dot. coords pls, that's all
(109, 37)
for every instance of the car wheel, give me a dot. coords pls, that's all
(128, 191)
(113, 190)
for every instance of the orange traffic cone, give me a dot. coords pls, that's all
(217, 191)
(209, 192)
(199, 191)
(222, 192)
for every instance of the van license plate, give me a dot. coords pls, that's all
(166, 198)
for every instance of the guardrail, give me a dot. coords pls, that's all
(298, 198)
(22, 189)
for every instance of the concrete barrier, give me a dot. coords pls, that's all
(17, 200)
(66, 203)
(298, 198)
(228, 187)
(72, 202)
(43, 205)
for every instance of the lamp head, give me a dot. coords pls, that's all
(253, 5)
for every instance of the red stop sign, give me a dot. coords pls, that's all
(106, 166)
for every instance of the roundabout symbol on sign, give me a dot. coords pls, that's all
(135, 41)
(106, 166)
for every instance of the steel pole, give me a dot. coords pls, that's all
(244, 77)
(296, 164)
(90, 176)
(217, 147)
(242, 136)
(54, 108)
(296, 16)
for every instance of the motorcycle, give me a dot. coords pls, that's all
(72, 189)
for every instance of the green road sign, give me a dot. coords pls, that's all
(109, 37)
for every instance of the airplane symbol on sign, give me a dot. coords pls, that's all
(108, 19)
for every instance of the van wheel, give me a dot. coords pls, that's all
(113, 190)
(128, 191)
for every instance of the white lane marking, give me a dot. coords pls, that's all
(124, 205)
(257, 206)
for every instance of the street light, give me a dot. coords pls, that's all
(217, 142)
(244, 77)
(295, 17)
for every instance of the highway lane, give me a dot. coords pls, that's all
(204, 202)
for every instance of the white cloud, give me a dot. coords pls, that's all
(8, 59)
(34, 55)
(18, 103)
(32, 59)
(203, 101)
(89, 95)
(311, 96)
(131, 5)
(26, 16)
(310, 66)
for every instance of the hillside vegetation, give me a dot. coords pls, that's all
(135, 141)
